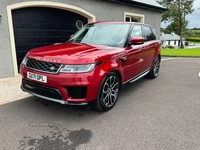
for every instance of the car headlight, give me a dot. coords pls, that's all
(77, 68)
(24, 61)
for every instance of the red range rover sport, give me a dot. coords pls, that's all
(93, 65)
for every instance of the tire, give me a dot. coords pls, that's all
(108, 92)
(155, 69)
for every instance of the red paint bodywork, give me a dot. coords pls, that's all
(139, 58)
(77, 54)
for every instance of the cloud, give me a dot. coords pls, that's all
(196, 4)
(194, 19)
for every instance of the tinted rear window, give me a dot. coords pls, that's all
(148, 34)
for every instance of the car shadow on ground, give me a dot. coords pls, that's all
(36, 105)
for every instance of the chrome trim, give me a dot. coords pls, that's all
(138, 77)
(52, 99)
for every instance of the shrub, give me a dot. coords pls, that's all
(171, 47)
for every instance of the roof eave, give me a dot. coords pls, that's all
(139, 5)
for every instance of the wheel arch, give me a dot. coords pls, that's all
(156, 55)
(119, 75)
(159, 56)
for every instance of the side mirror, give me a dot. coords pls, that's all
(137, 40)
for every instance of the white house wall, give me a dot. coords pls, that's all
(171, 43)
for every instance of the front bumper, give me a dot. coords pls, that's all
(71, 89)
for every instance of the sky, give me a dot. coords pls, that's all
(194, 18)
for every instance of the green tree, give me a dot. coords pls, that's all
(173, 27)
(175, 13)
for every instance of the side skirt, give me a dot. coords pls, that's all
(138, 77)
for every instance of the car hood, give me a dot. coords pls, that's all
(73, 53)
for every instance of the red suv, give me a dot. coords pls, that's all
(93, 65)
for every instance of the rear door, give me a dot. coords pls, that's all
(150, 45)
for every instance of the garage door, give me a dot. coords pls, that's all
(39, 26)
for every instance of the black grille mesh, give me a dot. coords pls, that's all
(43, 66)
(42, 90)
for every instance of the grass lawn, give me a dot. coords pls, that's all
(189, 52)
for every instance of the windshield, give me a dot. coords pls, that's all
(113, 35)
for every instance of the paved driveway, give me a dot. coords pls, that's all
(160, 114)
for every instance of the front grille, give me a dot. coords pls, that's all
(43, 66)
(78, 92)
(42, 90)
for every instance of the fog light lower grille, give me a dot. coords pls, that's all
(77, 92)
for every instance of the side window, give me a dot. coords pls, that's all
(155, 33)
(137, 31)
(148, 35)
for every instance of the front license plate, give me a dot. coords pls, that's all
(37, 77)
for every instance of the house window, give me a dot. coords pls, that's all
(174, 42)
(131, 17)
